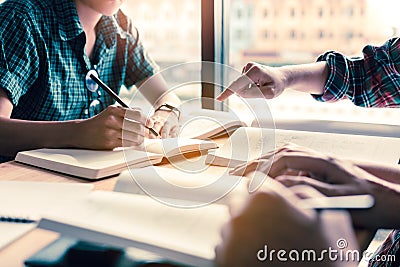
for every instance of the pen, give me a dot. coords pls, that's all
(338, 202)
(116, 97)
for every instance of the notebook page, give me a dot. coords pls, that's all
(144, 221)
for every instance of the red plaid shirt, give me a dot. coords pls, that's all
(369, 81)
(388, 254)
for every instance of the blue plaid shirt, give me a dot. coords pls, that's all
(43, 64)
(369, 81)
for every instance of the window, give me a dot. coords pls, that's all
(320, 12)
(238, 14)
(350, 11)
(265, 13)
(349, 35)
(292, 34)
(346, 27)
(239, 34)
(292, 12)
(171, 32)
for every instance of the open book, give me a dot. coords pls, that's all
(171, 147)
(244, 145)
(181, 188)
(205, 123)
(95, 164)
(247, 144)
(186, 236)
(182, 235)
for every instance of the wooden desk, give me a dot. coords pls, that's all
(15, 254)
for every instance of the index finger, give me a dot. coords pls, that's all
(235, 86)
(225, 94)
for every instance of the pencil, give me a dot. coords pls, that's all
(116, 97)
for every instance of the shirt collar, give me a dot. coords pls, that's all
(109, 28)
(69, 25)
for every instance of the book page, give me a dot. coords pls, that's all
(209, 123)
(30, 200)
(244, 145)
(10, 232)
(180, 188)
(177, 146)
(250, 143)
(140, 221)
(385, 150)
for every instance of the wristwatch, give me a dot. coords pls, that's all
(169, 107)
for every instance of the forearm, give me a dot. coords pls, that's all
(155, 89)
(168, 98)
(17, 135)
(308, 78)
(384, 172)
(384, 212)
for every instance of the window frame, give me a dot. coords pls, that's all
(214, 45)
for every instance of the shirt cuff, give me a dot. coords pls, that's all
(337, 85)
(11, 86)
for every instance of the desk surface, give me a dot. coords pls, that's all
(15, 254)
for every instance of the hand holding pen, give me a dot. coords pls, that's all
(121, 102)
(113, 127)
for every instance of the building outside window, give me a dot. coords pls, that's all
(342, 25)
(171, 32)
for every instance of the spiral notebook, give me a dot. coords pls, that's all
(24, 202)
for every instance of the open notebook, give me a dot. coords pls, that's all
(183, 235)
(27, 201)
(95, 164)
(187, 236)
(247, 144)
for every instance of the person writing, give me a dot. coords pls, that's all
(48, 50)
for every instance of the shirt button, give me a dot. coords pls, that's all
(86, 111)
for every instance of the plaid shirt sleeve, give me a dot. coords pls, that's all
(370, 81)
(19, 62)
(140, 65)
(389, 252)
